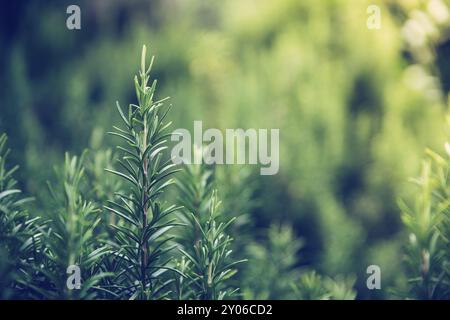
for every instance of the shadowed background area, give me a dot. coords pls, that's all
(355, 108)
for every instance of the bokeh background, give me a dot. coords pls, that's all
(355, 108)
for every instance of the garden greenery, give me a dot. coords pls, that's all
(138, 226)
(207, 246)
(141, 243)
(428, 223)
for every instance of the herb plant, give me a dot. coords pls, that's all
(141, 243)
(428, 224)
(20, 235)
(207, 246)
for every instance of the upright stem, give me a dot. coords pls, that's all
(144, 109)
(144, 202)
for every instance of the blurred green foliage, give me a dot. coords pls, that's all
(355, 108)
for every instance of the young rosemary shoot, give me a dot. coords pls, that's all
(141, 246)
(71, 240)
(206, 244)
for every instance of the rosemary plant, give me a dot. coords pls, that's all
(102, 184)
(312, 286)
(206, 244)
(428, 224)
(271, 270)
(141, 244)
(71, 240)
(20, 235)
